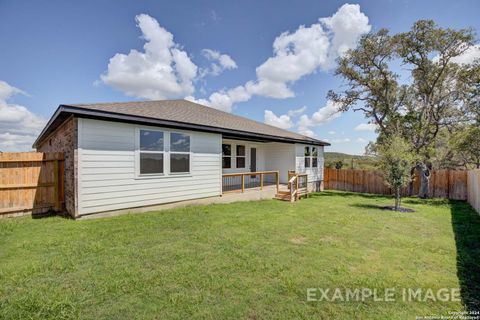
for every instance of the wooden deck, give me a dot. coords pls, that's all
(256, 181)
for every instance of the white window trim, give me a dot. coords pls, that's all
(314, 157)
(138, 151)
(187, 173)
(307, 157)
(311, 157)
(230, 156)
(166, 155)
(244, 156)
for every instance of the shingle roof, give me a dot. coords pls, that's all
(187, 112)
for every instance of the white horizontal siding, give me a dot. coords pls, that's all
(106, 169)
(280, 157)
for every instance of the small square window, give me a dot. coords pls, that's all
(179, 142)
(241, 151)
(151, 140)
(240, 162)
(226, 162)
(151, 163)
(226, 149)
(179, 162)
(307, 162)
(307, 151)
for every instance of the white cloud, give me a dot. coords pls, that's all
(18, 126)
(297, 112)
(223, 100)
(322, 116)
(469, 56)
(366, 127)
(283, 121)
(341, 140)
(219, 63)
(361, 140)
(327, 113)
(346, 25)
(162, 71)
(300, 53)
(331, 133)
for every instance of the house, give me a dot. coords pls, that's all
(138, 154)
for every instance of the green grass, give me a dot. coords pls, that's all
(250, 260)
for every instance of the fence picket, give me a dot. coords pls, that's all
(443, 183)
(31, 182)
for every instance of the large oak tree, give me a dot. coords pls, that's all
(409, 84)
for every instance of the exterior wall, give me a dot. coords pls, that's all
(315, 175)
(281, 157)
(64, 139)
(248, 145)
(107, 178)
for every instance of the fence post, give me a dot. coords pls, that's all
(261, 181)
(56, 191)
(278, 180)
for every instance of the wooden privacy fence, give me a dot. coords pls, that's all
(450, 184)
(473, 183)
(31, 182)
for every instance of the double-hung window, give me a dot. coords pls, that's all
(179, 153)
(307, 157)
(226, 156)
(151, 152)
(240, 156)
(311, 157)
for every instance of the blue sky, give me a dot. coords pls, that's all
(56, 52)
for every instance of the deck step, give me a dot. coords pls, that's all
(285, 195)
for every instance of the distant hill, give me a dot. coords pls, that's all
(359, 162)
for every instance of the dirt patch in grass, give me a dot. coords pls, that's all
(298, 240)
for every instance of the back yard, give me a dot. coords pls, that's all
(243, 260)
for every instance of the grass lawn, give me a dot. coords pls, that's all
(250, 260)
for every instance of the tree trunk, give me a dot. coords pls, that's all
(412, 180)
(424, 180)
(397, 198)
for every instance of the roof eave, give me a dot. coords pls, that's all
(112, 116)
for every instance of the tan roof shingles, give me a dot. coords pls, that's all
(192, 113)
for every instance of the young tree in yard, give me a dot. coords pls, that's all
(418, 101)
(395, 161)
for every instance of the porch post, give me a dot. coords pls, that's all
(278, 180)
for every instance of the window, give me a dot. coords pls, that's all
(240, 156)
(226, 156)
(314, 157)
(151, 152)
(179, 153)
(307, 157)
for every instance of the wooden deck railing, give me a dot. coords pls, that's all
(298, 185)
(238, 182)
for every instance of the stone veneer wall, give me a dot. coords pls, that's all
(64, 139)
